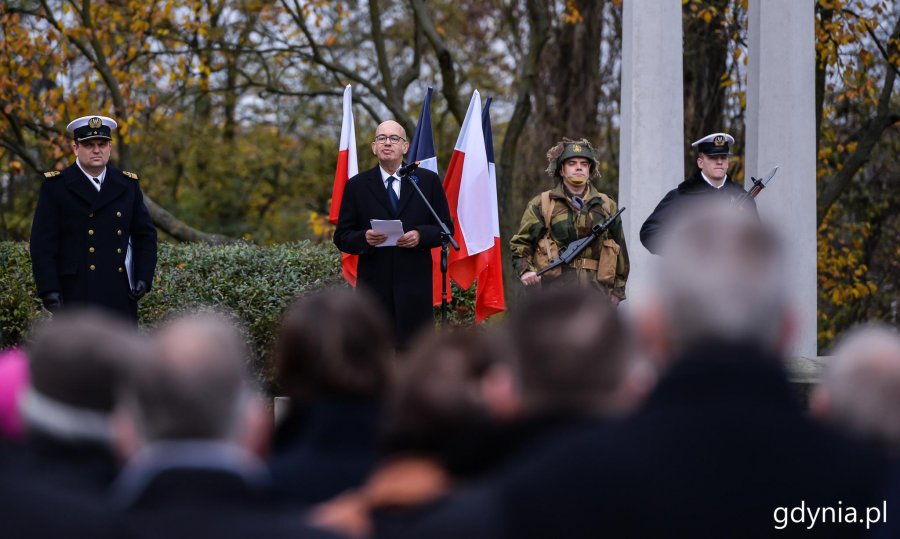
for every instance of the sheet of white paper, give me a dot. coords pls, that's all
(393, 229)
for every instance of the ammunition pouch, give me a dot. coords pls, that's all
(609, 257)
(546, 249)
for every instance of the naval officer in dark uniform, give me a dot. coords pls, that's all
(710, 179)
(92, 239)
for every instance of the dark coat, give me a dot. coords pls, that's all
(187, 503)
(333, 449)
(474, 511)
(399, 278)
(719, 446)
(79, 238)
(31, 508)
(889, 528)
(83, 467)
(688, 191)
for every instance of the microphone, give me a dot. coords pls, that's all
(407, 168)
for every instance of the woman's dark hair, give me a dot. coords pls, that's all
(333, 343)
(436, 392)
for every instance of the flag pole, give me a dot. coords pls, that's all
(446, 236)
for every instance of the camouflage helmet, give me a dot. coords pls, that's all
(567, 149)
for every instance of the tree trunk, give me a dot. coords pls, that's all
(508, 182)
(705, 63)
(178, 229)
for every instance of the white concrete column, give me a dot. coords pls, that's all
(651, 160)
(781, 131)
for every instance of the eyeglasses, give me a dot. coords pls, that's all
(382, 139)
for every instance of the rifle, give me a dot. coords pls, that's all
(758, 186)
(575, 248)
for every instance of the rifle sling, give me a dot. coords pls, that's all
(586, 263)
(546, 211)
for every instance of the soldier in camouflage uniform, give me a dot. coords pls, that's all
(571, 208)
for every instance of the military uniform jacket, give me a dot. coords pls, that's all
(687, 191)
(79, 238)
(400, 278)
(567, 225)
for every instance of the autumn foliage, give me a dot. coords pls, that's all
(229, 109)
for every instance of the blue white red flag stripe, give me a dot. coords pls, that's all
(421, 147)
(472, 195)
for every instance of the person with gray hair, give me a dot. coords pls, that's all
(190, 422)
(55, 485)
(720, 278)
(721, 443)
(860, 388)
(75, 363)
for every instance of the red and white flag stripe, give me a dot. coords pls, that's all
(347, 167)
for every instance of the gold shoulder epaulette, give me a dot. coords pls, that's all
(51, 174)
(131, 175)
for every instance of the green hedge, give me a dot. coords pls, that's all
(254, 283)
(19, 305)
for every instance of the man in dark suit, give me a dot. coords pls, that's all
(192, 427)
(711, 179)
(92, 239)
(34, 509)
(399, 277)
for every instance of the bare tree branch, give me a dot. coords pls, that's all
(449, 88)
(178, 229)
(412, 72)
(380, 51)
(884, 117)
(539, 34)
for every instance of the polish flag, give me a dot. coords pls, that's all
(347, 167)
(472, 195)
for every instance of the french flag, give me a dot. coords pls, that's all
(421, 149)
(347, 167)
(471, 188)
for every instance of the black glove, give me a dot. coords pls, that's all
(140, 288)
(52, 301)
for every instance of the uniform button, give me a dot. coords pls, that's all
(91, 250)
(119, 250)
(121, 269)
(93, 267)
(118, 214)
(90, 232)
(90, 215)
(119, 232)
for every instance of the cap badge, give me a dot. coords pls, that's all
(576, 148)
(719, 141)
(94, 123)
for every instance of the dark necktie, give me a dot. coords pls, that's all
(392, 195)
(97, 181)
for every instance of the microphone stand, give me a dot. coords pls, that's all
(446, 236)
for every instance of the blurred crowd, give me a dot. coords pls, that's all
(569, 418)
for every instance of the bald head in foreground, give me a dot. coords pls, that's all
(860, 389)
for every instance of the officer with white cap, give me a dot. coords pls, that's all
(92, 239)
(710, 179)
